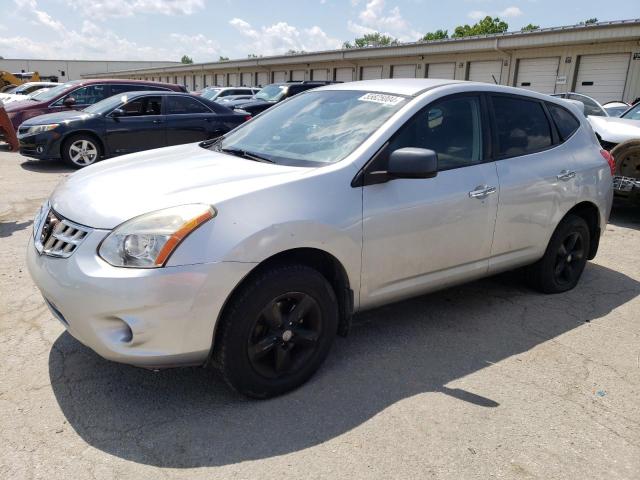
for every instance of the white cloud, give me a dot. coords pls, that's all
(100, 9)
(281, 37)
(375, 18)
(477, 14)
(197, 45)
(511, 12)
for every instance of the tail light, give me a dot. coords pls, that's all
(610, 160)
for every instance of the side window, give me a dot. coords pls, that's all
(88, 95)
(225, 93)
(177, 105)
(565, 122)
(143, 106)
(522, 126)
(451, 128)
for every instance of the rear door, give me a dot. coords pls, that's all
(420, 234)
(537, 180)
(142, 127)
(189, 120)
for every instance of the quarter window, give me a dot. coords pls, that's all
(451, 128)
(565, 122)
(522, 126)
(181, 105)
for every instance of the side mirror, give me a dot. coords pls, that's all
(117, 112)
(69, 102)
(412, 162)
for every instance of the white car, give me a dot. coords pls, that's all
(26, 91)
(251, 252)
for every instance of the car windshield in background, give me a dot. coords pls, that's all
(271, 93)
(633, 113)
(106, 105)
(55, 91)
(314, 128)
(210, 93)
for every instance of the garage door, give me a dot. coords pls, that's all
(320, 74)
(403, 71)
(602, 76)
(485, 71)
(442, 70)
(538, 74)
(344, 74)
(279, 77)
(233, 79)
(247, 79)
(370, 73)
(220, 79)
(297, 75)
(263, 79)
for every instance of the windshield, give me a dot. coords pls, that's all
(106, 105)
(210, 93)
(271, 93)
(314, 128)
(633, 113)
(39, 93)
(55, 91)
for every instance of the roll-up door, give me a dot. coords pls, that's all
(297, 75)
(233, 79)
(320, 74)
(485, 71)
(220, 79)
(538, 74)
(403, 71)
(279, 77)
(442, 70)
(370, 73)
(263, 79)
(602, 77)
(344, 74)
(247, 79)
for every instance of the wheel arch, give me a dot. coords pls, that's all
(590, 213)
(322, 261)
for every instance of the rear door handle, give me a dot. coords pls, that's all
(565, 175)
(157, 121)
(482, 191)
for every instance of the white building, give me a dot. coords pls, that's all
(600, 60)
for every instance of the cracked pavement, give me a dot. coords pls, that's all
(488, 379)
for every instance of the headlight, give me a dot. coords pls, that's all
(41, 128)
(149, 240)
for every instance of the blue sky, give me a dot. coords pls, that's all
(206, 29)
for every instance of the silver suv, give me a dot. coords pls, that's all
(251, 252)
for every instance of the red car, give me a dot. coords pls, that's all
(77, 95)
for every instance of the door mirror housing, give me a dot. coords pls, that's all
(69, 102)
(410, 162)
(117, 112)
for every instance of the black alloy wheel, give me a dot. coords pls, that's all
(569, 258)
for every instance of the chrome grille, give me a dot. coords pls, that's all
(58, 237)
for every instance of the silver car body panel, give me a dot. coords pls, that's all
(394, 240)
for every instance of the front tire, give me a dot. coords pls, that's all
(276, 331)
(79, 151)
(561, 267)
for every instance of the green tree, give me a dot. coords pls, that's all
(530, 28)
(186, 59)
(589, 21)
(375, 39)
(252, 55)
(437, 35)
(485, 26)
(223, 59)
(291, 51)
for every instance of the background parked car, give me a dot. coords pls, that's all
(615, 109)
(79, 94)
(232, 98)
(216, 93)
(125, 123)
(591, 106)
(25, 91)
(274, 93)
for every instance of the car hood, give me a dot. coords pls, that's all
(24, 105)
(110, 192)
(615, 130)
(245, 102)
(58, 117)
(7, 98)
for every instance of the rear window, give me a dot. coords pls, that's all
(521, 125)
(565, 122)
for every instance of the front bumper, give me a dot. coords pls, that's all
(41, 146)
(150, 318)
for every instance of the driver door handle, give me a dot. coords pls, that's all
(482, 191)
(565, 175)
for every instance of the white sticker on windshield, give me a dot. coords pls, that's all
(381, 98)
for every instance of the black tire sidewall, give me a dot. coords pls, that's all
(66, 157)
(245, 308)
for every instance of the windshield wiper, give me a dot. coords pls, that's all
(211, 142)
(244, 154)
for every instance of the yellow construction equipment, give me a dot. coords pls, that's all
(8, 79)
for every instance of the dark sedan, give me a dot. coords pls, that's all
(125, 123)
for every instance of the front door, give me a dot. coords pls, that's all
(142, 127)
(421, 234)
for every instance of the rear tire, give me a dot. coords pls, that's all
(276, 331)
(561, 267)
(81, 150)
